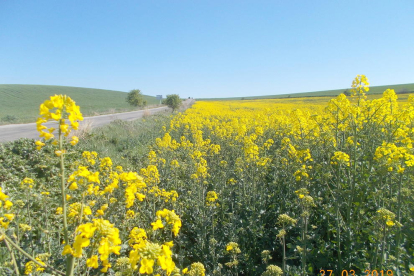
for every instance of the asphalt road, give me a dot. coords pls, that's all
(17, 131)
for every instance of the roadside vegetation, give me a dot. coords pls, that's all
(173, 101)
(14, 98)
(127, 143)
(136, 98)
(266, 187)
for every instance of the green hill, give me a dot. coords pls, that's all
(19, 103)
(399, 89)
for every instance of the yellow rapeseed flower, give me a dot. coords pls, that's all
(10, 217)
(39, 145)
(58, 108)
(74, 140)
(146, 266)
(93, 262)
(7, 205)
(157, 225)
(390, 223)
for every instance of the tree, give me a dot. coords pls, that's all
(173, 101)
(135, 98)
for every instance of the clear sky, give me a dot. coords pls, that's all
(207, 48)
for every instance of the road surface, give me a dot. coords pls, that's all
(17, 131)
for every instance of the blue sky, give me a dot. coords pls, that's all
(207, 48)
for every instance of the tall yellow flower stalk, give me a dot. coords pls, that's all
(64, 110)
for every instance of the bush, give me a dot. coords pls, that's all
(135, 98)
(173, 101)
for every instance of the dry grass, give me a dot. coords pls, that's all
(186, 104)
(146, 113)
(84, 129)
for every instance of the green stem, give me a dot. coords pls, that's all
(383, 247)
(375, 256)
(28, 255)
(284, 252)
(305, 230)
(47, 227)
(212, 221)
(16, 268)
(62, 182)
(338, 225)
(399, 220)
(235, 266)
(69, 259)
(30, 220)
(352, 182)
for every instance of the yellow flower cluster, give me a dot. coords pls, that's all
(285, 219)
(151, 175)
(273, 270)
(387, 218)
(58, 108)
(90, 156)
(106, 164)
(301, 193)
(175, 164)
(5, 204)
(392, 156)
(24, 227)
(233, 247)
(211, 198)
(82, 176)
(167, 196)
(340, 158)
(75, 211)
(111, 183)
(298, 156)
(27, 183)
(31, 266)
(196, 269)
(360, 85)
(106, 237)
(171, 218)
(130, 214)
(147, 253)
(135, 184)
(302, 172)
(137, 236)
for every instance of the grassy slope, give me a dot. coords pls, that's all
(126, 143)
(405, 88)
(22, 101)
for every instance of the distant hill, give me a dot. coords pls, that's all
(399, 89)
(19, 103)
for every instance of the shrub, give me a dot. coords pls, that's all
(173, 101)
(135, 98)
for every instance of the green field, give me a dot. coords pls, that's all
(20, 103)
(399, 89)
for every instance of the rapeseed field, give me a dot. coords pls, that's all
(263, 187)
